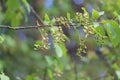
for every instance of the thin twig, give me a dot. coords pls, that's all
(30, 27)
(20, 27)
(36, 15)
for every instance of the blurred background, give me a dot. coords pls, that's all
(20, 61)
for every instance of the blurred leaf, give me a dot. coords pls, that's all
(10, 5)
(63, 48)
(113, 31)
(52, 21)
(95, 14)
(58, 50)
(27, 5)
(100, 30)
(47, 20)
(68, 16)
(9, 41)
(38, 42)
(32, 77)
(1, 65)
(47, 17)
(86, 14)
(115, 65)
(101, 13)
(1, 16)
(15, 21)
(14, 13)
(38, 24)
(50, 74)
(1, 39)
(118, 74)
(96, 24)
(49, 60)
(4, 77)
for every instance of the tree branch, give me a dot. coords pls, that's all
(31, 27)
(36, 15)
(20, 27)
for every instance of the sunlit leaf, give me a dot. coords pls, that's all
(101, 13)
(95, 14)
(118, 74)
(47, 17)
(4, 77)
(100, 30)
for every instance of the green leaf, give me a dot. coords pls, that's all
(16, 20)
(47, 17)
(1, 16)
(113, 31)
(49, 60)
(47, 20)
(27, 5)
(100, 30)
(68, 16)
(118, 74)
(14, 13)
(63, 48)
(101, 13)
(52, 21)
(1, 39)
(32, 77)
(4, 77)
(50, 74)
(96, 24)
(38, 42)
(95, 14)
(58, 50)
(10, 5)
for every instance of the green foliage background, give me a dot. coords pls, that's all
(20, 61)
